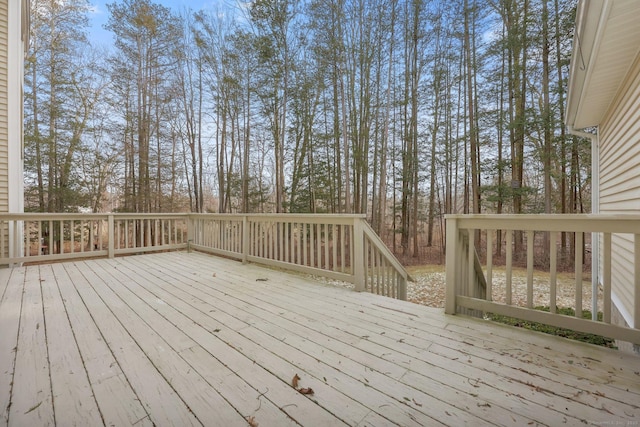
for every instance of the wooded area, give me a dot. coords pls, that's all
(403, 110)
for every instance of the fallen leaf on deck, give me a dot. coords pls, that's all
(294, 381)
(252, 421)
(306, 390)
(214, 274)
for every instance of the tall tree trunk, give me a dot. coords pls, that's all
(546, 115)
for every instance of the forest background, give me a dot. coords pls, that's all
(402, 110)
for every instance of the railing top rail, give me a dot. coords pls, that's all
(607, 223)
(35, 216)
(44, 216)
(279, 215)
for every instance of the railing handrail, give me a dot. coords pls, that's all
(597, 223)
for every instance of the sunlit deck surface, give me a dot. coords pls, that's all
(178, 339)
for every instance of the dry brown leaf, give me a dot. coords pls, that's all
(306, 390)
(252, 422)
(294, 381)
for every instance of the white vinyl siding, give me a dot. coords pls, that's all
(620, 181)
(4, 109)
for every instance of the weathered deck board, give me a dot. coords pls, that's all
(449, 371)
(73, 398)
(189, 339)
(295, 336)
(104, 373)
(31, 402)
(10, 304)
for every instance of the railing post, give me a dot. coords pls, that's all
(358, 254)
(402, 288)
(190, 229)
(245, 238)
(112, 236)
(16, 231)
(451, 264)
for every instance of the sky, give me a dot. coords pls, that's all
(100, 14)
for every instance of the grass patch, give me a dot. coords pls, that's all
(553, 330)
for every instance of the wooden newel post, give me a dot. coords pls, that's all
(402, 288)
(191, 230)
(112, 236)
(451, 270)
(245, 238)
(359, 256)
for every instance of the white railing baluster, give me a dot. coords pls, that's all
(471, 272)
(578, 273)
(636, 282)
(509, 265)
(489, 235)
(606, 276)
(553, 267)
(530, 240)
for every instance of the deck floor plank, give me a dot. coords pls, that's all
(162, 342)
(579, 401)
(31, 398)
(10, 306)
(73, 398)
(315, 338)
(628, 379)
(375, 399)
(189, 339)
(117, 401)
(285, 304)
(217, 375)
(161, 402)
(246, 352)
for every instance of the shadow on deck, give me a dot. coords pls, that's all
(190, 339)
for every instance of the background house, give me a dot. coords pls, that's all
(604, 99)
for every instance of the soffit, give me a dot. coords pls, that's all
(606, 44)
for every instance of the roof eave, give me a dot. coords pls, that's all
(591, 18)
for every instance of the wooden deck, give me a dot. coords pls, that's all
(190, 339)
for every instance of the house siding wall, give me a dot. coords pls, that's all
(4, 107)
(620, 182)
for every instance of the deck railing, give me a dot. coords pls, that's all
(51, 237)
(342, 247)
(467, 290)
